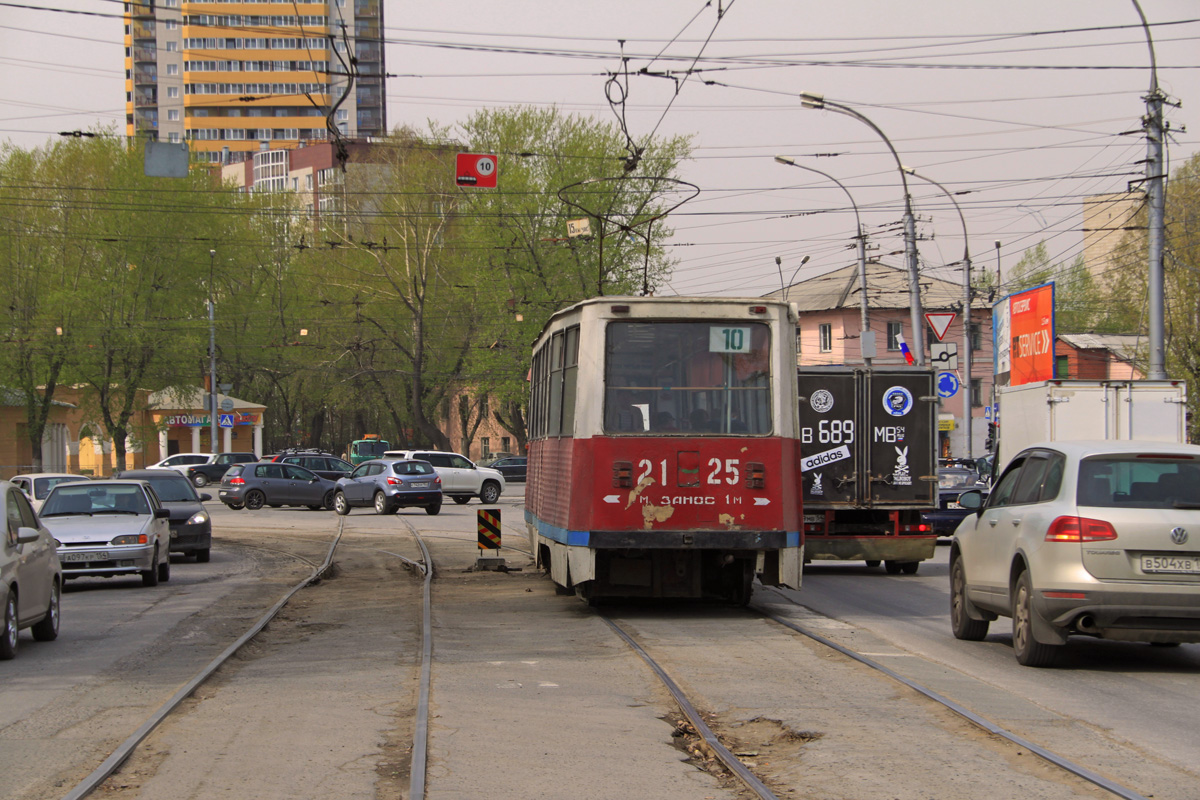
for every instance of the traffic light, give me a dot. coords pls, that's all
(990, 444)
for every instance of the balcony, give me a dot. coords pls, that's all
(145, 76)
(370, 8)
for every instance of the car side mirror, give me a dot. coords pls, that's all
(205, 497)
(971, 500)
(162, 513)
(25, 535)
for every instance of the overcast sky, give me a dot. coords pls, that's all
(1021, 106)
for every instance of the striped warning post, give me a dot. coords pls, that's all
(489, 528)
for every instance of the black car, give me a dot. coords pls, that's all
(212, 472)
(326, 465)
(511, 467)
(191, 528)
(952, 481)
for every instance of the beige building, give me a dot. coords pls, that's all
(1107, 218)
(227, 76)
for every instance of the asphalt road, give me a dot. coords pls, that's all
(1101, 694)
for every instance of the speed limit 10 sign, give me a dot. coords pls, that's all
(473, 169)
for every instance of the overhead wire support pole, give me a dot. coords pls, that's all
(861, 238)
(817, 101)
(212, 359)
(967, 397)
(1156, 205)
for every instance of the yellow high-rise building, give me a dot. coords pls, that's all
(235, 76)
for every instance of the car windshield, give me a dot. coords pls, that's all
(88, 498)
(1142, 481)
(42, 486)
(956, 479)
(372, 449)
(173, 490)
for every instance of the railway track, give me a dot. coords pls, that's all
(654, 637)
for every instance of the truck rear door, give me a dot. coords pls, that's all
(901, 418)
(829, 438)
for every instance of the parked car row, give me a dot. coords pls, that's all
(401, 479)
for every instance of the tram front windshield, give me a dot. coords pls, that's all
(697, 378)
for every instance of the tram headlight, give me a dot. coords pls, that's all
(756, 475)
(623, 474)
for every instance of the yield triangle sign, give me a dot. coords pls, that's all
(940, 322)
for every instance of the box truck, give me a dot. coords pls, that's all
(868, 444)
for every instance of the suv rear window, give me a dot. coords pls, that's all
(1148, 481)
(412, 468)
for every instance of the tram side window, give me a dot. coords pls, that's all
(553, 391)
(710, 377)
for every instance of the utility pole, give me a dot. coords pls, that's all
(212, 359)
(1156, 205)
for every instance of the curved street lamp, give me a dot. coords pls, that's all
(966, 305)
(861, 237)
(818, 101)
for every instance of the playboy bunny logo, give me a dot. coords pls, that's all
(901, 476)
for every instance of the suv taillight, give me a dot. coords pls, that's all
(394, 481)
(1080, 529)
(238, 480)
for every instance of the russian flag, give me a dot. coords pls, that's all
(908, 356)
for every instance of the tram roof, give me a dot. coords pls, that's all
(632, 300)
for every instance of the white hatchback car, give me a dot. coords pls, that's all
(36, 485)
(30, 575)
(461, 478)
(1093, 538)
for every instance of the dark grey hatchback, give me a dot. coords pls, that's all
(389, 484)
(252, 486)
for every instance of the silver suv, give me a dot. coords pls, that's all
(461, 478)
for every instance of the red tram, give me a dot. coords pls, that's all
(663, 452)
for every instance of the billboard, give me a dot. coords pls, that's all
(1023, 336)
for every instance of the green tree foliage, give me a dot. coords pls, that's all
(37, 272)
(1078, 301)
(519, 241)
(1127, 297)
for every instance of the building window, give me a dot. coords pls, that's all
(976, 336)
(173, 115)
(172, 47)
(504, 445)
(343, 115)
(825, 332)
(485, 444)
(308, 182)
(172, 91)
(893, 336)
(172, 24)
(172, 137)
(976, 392)
(172, 69)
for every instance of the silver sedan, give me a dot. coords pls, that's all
(30, 577)
(1092, 538)
(111, 527)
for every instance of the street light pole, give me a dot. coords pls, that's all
(212, 359)
(1156, 204)
(861, 237)
(817, 101)
(966, 308)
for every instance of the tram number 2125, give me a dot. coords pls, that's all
(829, 431)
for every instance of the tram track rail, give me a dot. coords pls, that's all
(755, 784)
(978, 720)
(104, 771)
